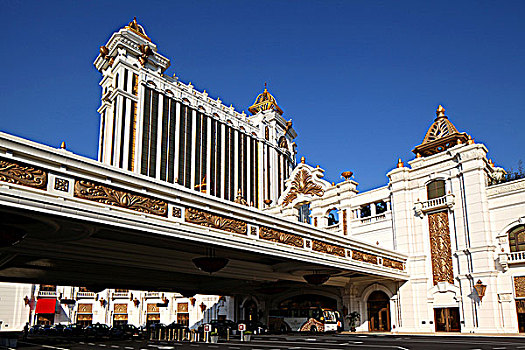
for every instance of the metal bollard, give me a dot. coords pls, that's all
(227, 334)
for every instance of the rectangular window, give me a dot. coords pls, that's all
(227, 151)
(125, 79)
(436, 189)
(122, 132)
(244, 167)
(145, 132)
(132, 134)
(204, 153)
(218, 162)
(182, 143)
(164, 139)
(189, 144)
(113, 129)
(268, 170)
(198, 149)
(153, 136)
(171, 143)
(212, 180)
(232, 165)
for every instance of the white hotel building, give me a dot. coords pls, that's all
(458, 217)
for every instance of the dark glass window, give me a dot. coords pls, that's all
(132, 133)
(145, 132)
(125, 80)
(171, 143)
(436, 189)
(198, 149)
(517, 239)
(218, 171)
(380, 207)
(365, 211)
(122, 132)
(164, 139)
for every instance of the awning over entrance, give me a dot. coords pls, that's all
(45, 306)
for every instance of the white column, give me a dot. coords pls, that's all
(160, 108)
(208, 155)
(177, 140)
(222, 128)
(193, 137)
(248, 171)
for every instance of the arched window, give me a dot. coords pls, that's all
(333, 217)
(517, 239)
(436, 189)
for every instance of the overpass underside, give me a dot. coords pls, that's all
(69, 220)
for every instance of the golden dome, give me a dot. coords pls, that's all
(264, 102)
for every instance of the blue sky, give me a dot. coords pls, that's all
(360, 79)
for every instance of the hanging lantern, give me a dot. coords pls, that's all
(316, 279)
(480, 289)
(210, 264)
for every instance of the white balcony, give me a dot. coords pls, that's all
(120, 295)
(371, 219)
(47, 294)
(447, 201)
(333, 228)
(152, 295)
(85, 295)
(516, 258)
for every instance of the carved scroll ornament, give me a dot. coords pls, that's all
(327, 248)
(106, 195)
(394, 264)
(202, 218)
(269, 234)
(365, 257)
(22, 174)
(302, 184)
(440, 247)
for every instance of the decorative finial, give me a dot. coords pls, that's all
(265, 87)
(268, 202)
(459, 142)
(470, 140)
(400, 163)
(418, 155)
(347, 175)
(302, 160)
(440, 111)
(63, 145)
(333, 183)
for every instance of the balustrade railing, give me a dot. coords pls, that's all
(517, 257)
(152, 295)
(47, 293)
(372, 219)
(85, 295)
(120, 294)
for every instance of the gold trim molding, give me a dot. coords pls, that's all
(269, 234)
(107, 195)
(326, 248)
(394, 264)
(25, 175)
(365, 257)
(202, 218)
(519, 286)
(440, 247)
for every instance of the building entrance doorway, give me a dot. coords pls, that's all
(447, 319)
(378, 306)
(250, 311)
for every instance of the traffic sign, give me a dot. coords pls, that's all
(242, 327)
(207, 327)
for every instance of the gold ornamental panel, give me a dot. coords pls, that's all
(17, 173)
(270, 234)
(107, 195)
(327, 248)
(365, 257)
(153, 308)
(519, 286)
(182, 307)
(121, 308)
(345, 228)
(302, 184)
(120, 317)
(84, 317)
(440, 247)
(398, 265)
(153, 317)
(202, 218)
(85, 308)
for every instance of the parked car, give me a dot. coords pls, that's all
(58, 329)
(222, 326)
(255, 327)
(36, 329)
(73, 330)
(125, 331)
(96, 330)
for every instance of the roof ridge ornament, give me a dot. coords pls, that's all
(265, 102)
(441, 136)
(137, 29)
